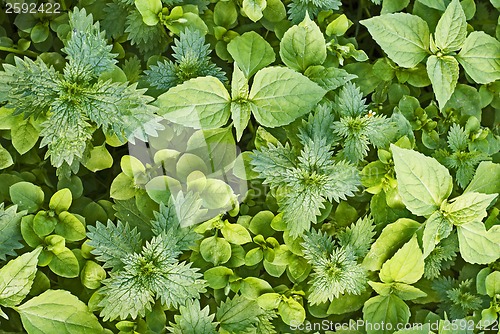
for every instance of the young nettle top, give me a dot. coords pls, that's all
(407, 41)
(73, 104)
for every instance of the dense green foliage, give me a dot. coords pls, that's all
(255, 166)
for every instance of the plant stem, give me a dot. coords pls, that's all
(19, 52)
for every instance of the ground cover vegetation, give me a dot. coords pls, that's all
(254, 166)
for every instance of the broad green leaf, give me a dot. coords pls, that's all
(253, 9)
(240, 113)
(388, 309)
(451, 29)
(406, 266)
(436, 4)
(253, 287)
(492, 284)
(99, 159)
(92, 274)
(437, 228)
(443, 73)
(403, 37)
(269, 301)
(480, 57)
(393, 236)
(24, 136)
(423, 183)
(251, 52)
(391, 6)
(70, 227)
(61, 200)
(131, 166)
(339, 26)
(478, 245)
(65, 264)
(407, 292)
(27, 196)
(149, 10)
(16, 278)
(122, 187)
(202, 102)
(486, 180)
(217, 277)
(216, 195)
(291, 312)
(468, 207)
(158, 188)
(236, 234)
(303, 45)
(329, 78)
(215, 250)
(215, 147)
(10, 230)
(58, 311)
(5, 158)
(44, 223)
(280, 95)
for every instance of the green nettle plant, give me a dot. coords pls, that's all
(250, 167)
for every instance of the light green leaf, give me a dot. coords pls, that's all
(404, 37)
(393, 236)
(280, 95)
(451, 29)
(238, 315)
(423, 183)
(443, 73)
(215, 250)
(24, 136)
(65, 264)
(216, 195)
(5, 158)
(478, 245)
(202, 102)
(492, 284)
(99, 159)
(388, 309)
(486, 180)
(253, 287)
(58, 311)
(291, 312)
(329, 78)
(236, 234)
(27, 196)
(70, 227)
(122, 187)
(149, 10)
(406, 266)
(436, 4)
(436, 229)
(407, 292)
(391, 6)
(303, 45)
(480, 57)
(254, 8)
(61, 200)
(251, 52)
(16, 278)
(468, 207)
(217, 277)
(240, 113)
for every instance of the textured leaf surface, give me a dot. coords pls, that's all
(10, 231)
(478, 245)
(451, 29)
(443, 73)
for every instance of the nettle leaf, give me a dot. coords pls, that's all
(202, 102)
(16, 278)
(470, 206)
(477, 245)
(480, 57)
(404, 37)
(406, 266)
(388, 309)
(10, 230)
(280, 95)
(451, 29)
(113, 242)
(58, 311)
(238, 315)
(443, 73)
(251, 52)
(193, 320)
(303, 45)
(423, 183)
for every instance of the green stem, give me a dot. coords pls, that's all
(19, 52)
